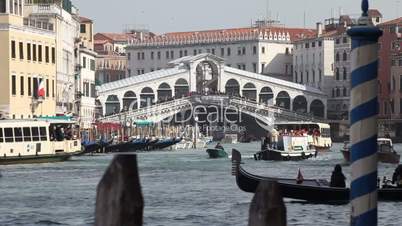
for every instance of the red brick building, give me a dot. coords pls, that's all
(390, 47)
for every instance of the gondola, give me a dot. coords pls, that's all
(165, 143)
(310, 190)
(90, 147)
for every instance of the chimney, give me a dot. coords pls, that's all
(319, 29)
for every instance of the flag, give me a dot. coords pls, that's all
(299, 178)
(41, 88)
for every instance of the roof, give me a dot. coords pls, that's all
(374, 13)
(116, 37)
(227, 35)
(140, 79)
(279, 82)
(85, 20)
(392, 22)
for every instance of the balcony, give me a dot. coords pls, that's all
(46, 9)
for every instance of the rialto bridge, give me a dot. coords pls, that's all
(206, 74)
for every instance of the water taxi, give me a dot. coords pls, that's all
(318, 134)
(38, 141)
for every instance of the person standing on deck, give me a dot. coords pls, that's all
(397, 176)
(274, 138)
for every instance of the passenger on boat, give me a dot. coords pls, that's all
(274, 138)
(267, 142)
(397, 176)
(219, 146)
(337, 177)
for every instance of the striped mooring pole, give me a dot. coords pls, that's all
(363, 120)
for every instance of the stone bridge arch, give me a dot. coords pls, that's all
(130, 101)
(283, 100)
(112, 105)
(147, 97)
(164, 92)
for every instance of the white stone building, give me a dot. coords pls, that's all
(313, 61)
(264, 50)
(64, 16)
(86, 92)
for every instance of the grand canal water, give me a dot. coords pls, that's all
(180, 188)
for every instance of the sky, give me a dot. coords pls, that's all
(161, 16)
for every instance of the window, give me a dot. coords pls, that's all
(244, 50)
(181, 53)
(255, 67)
(143, 55)
(35, 133)
(84, 62)
(1, 135)
(29, 86)
(345, 56)
(47, 88)
(301, 78)
(8, 135)
(185, 53)
(47, 54)
(344, 91)
(13, 85)
(263, 50)
(27, 134)
(167, 54)
(53, 90)
(337, 41)
(21, 49)
(29, 51)
(152, 55)
(40, 53)
(337, 57)
(18, 134)
(138, 56)
(345, 40)
(172, 54)
(83, 28)
(159, 55)
(43, 134)
(53, 55)
(92, 64)
(313, 44)
(2, 10)
(195, 52)
(93, 90)
(13, 49)
(244, 67)
(262, 68)
(337, 73)
(34, 52)
(222, 52)
(319, 43)
(307, 45)
(319, 75)
(213, 51)
(333, 92)
(129, 72)
(35, 87)
(345, 76)
(22, 85)
(229, 52)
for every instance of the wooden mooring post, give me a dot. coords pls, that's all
(267, 207)
(119, 198)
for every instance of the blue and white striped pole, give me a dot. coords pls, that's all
(363, 121)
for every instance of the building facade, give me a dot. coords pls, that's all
(264, 50)
(85, 89)
(64, 17)
(28, 64)
(396, 93)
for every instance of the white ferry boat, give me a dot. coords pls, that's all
(38, 141)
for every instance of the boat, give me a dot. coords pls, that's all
(38, 141)
(386, 152)
(289, 148)
(90, 147)
(184, 144)
(164, 143)
(230, 139)
(309, 190)
(217, 153)
(318, 134)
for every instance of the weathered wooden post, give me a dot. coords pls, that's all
(267, 207)
(119, 199)
(363, 120)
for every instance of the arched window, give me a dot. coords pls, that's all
(337, 58)
(345, 76)
(345, 92)
(338, 92)
(345, 56)
(337, 73)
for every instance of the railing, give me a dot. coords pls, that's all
(46, 9)
(168, 108)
